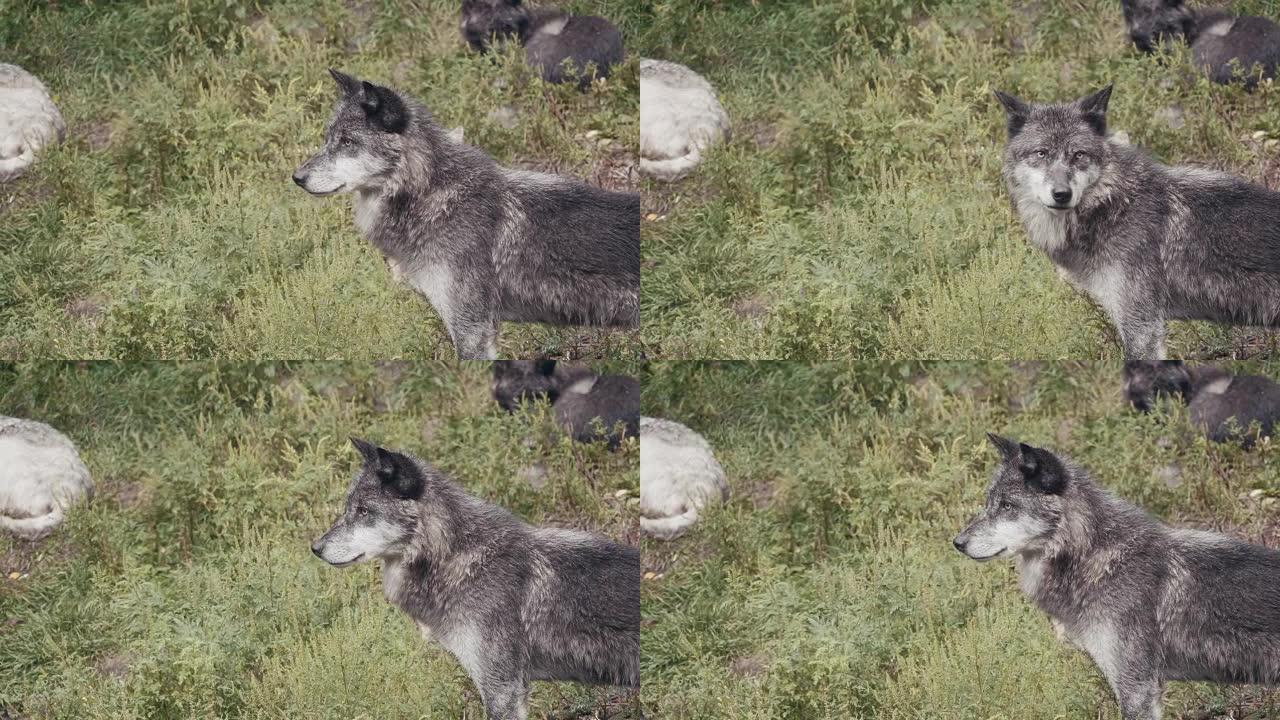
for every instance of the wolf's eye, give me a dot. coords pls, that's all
(1081, 156)
(1042, 153)
(362, 510)
(344, 140)
(1006, 505)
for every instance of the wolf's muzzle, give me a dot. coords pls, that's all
(301, 180)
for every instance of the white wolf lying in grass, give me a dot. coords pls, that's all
(41, 475)
(680, 117)
(28, 121)
(678, 477)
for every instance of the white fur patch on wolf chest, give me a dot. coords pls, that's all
(1105, 285)
(368, 207)
(435, 283)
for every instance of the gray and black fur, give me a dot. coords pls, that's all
(1148, 242)
(587, 405)
(1147, 602)
(1228, 48)
(1223, 405)
(482, 243)
(560, 46)
(512, 602)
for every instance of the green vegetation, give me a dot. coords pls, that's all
(858, 210)
(828, 588)
(167, 225)
(187, 588)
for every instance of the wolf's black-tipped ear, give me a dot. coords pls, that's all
(367, 450)
(1094, 109)
(399, 474)
(347, 84)
(1041, 470)
(384, 108)
(1016, 112)
(545, 366)
(1007, 448)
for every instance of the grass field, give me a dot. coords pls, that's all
(858, 210)
(187, 588)
(828, 588)
(167, 225)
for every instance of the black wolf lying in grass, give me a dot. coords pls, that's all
(560, 46)
(512, 602)
(1222, 44)
(587, 405)
(1222, 405)
(1147, 602)
(482, 243)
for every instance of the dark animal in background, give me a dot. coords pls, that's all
(588, 406)
(482, 243)
(1147, 242)
(1147, 602)
(1222, 44)
(512, 602)
(1223, 405)
(560, 46)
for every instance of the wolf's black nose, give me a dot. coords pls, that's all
(1062, 197)
(959, 543)
(301, 180)
(315, 549)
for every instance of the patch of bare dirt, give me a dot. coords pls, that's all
(96, 134)
(749, 665)
(20, 558)
(754, 307)
(128, 494)
(113, 665)
(1244, 343)
(762, 133)
(23, 191)
(88, 309)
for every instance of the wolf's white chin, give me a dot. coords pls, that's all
(344, 563)
(322, 193)
(999, 553)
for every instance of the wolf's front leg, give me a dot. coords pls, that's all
(474, 338)
(1142, 337)
(1139, 698)
(505, 700)
(471, 318)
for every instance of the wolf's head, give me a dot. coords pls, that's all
(519, 381)
(1055, 153)
(1146, 381)
(362, 143)
(485, 20)
(1024, 503)
(1152, 23)
(381, 513)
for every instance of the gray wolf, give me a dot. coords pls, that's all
(679, 475)
(1222, 405)
(1149, 243)
(480, 242)
(512, 602)
(1229, 48)
(41, 476)
(1147, 602)
(589, 406)
(680, 118)
(561, 47)
(28, 121)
